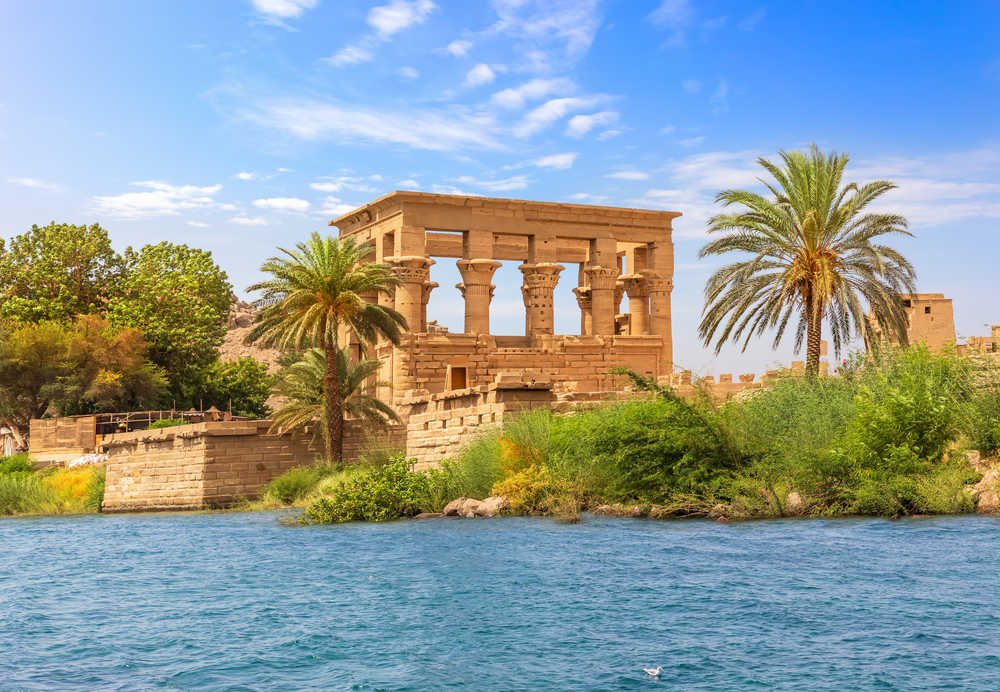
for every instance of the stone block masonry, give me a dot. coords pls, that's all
(205, 464)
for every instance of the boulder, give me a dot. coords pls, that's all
(470, 508)
(492, 506)
(985, 492)
(794, 503)
(452, 508)
(429, 515)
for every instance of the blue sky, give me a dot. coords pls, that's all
(242, 125)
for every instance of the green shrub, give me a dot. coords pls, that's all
(293, 484)
(17, 463)
(22, 492)
(166, 423)
(380, 493)
(94, 501)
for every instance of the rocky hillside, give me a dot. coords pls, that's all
(241, 316)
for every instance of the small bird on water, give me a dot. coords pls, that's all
(654, 672)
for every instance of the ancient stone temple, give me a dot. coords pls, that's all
(609, 254)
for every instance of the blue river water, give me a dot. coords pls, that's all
(241, 601)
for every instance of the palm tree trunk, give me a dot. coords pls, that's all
(814, 340)
(333, 409)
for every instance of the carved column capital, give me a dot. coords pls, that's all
(539, 284)
(602, 277)
(410, 269)
(636, 285)
(477, 271)
(583, 297)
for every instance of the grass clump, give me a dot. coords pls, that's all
(24, 491)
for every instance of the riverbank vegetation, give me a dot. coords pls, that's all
(886, 437)
(25, 491)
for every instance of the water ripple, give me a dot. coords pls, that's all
(242, 602)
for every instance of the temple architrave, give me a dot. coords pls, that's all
(608, 253)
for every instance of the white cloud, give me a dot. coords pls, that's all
(674, 15)
(244, 175)
(549, 112)
(720, 97)
(375, 176)
(158, 199)
(515, 98)
(691, 86)
(609, 134)
(517, 182)
(344, 182)
(249, 220)
(351, 55)
(587, 197)
(435, 130)
(409, 183)
(573, 23)
(35, 183)
(333, 206)
(628, 175)
(198, 224)
(557, 162)
(480, 74)
(691, 141)
(408, 72)
(282, 204)
(458, 48)
(579, 125)
(398, 15)
(283, 9)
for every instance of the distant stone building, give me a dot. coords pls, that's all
(931, 320)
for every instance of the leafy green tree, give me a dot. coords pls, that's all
(34, 358)
(302, 385)
(179, 299)
(316, 290)
(811, 253)
(56, 272)
(243, 384)
(108, 371)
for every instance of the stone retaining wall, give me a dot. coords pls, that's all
(206, 464)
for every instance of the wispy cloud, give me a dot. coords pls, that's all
(198, 224)
(533, 90)
(282, 9)
(720, 97)
(478, 75)
(546, 25)
(385, 21)
(628, 175)
(517, 182)
(459, 47)
(245, 175)
(557, 161)
(753, 20)
(157, 199)
(551, 111)
(409, 72)
(334, 206)
(579, 125)
(691, 86)
(691, 142)
(675, 16)
(249, 220)
(35, 183)
(282, 204)
(344, 182)
(435, 130)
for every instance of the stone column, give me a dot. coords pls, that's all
(477, 289)
(414, 275)
(638, 303)
(539, 284)
(424, 298)
(602, 290)
(659, 313)
(586, 309)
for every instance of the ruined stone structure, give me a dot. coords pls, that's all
(931, 320)
(616, 253)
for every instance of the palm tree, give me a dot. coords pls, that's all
(316, 290)
(808, 253)
(302, 384)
